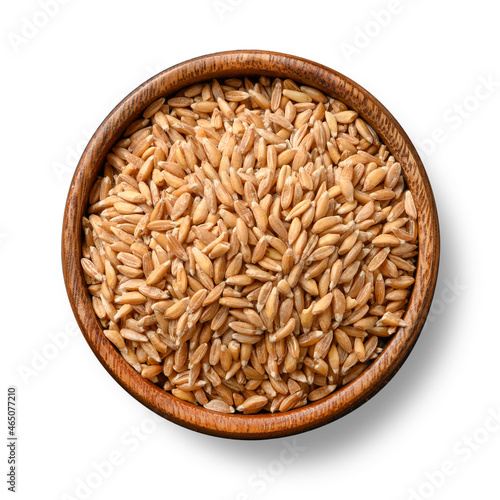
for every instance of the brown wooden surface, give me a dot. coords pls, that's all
(346, 399)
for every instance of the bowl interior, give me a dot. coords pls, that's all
(232, 64)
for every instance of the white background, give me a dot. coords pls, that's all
(427, 62)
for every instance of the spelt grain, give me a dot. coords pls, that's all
(250, 246)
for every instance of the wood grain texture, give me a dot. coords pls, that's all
(346, 399)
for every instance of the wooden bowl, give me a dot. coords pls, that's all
(344, 400)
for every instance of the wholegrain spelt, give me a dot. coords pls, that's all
(250, 245)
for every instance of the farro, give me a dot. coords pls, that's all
(250, 245)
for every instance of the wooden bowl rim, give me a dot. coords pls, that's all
(342, 401)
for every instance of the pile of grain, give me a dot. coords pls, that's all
(250, 245)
